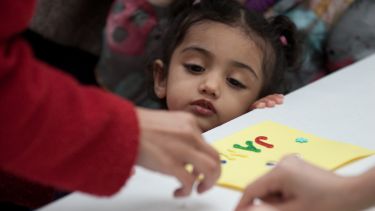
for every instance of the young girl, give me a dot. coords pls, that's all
(133, 29)
(219, 58)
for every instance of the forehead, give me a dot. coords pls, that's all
(225, 42)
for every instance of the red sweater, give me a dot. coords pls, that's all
(54, 131)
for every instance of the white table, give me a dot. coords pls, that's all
(338, 107)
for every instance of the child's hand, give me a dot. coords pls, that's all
(171, 140)
(268, 102)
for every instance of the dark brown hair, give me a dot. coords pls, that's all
(278, 57)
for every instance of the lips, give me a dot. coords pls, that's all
(203, 107)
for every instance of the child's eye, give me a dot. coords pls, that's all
(235, 83)
(194, 68)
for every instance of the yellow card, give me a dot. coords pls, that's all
(250, 153)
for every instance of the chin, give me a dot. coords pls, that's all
(204, 125)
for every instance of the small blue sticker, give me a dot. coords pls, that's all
(302, 140)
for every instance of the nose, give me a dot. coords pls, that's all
(210, 86)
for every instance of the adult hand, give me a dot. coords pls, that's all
(296, 185)
(268, 101)
(171, 140)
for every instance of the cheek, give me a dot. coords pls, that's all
(236, 105)
(173, 102)
(176, 95)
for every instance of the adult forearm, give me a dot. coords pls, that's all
(366, 189)
(55, 131)
(358, 192)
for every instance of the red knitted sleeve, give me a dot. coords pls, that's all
(53, 130)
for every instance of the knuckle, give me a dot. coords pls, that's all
(190, 119)
(212, 167)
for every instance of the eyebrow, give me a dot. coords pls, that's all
(244, 66)
(199, 50)
(210, 55)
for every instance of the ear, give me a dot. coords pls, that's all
(160, 80)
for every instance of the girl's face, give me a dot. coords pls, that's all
(215, 74)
